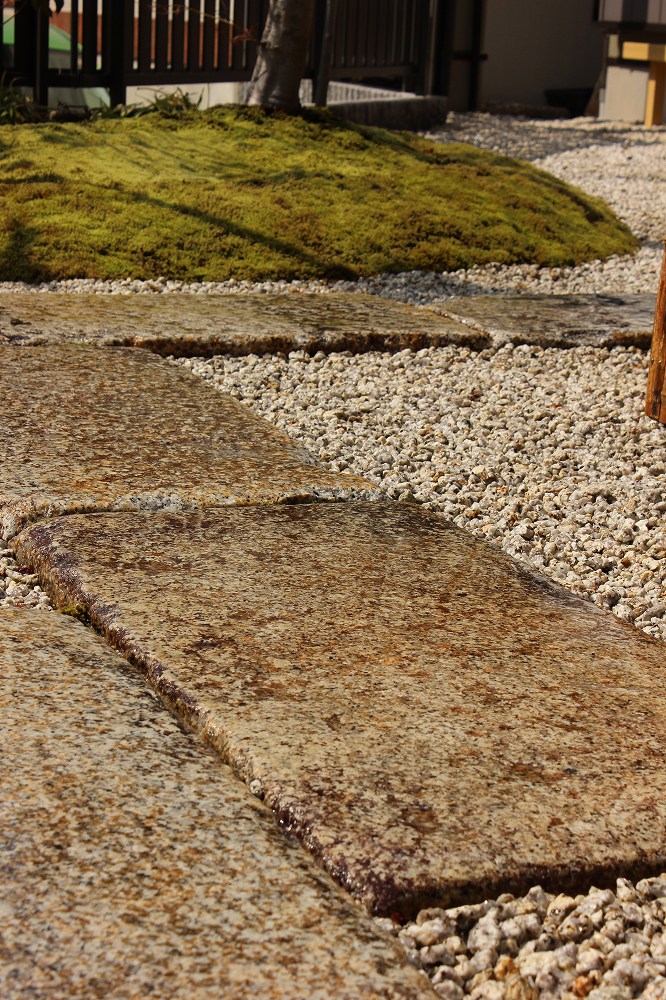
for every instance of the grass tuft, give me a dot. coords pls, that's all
(237, 192)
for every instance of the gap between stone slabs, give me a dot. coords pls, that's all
(88, 429)
(133, 862)
(435, 723)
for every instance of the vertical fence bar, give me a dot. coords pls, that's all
(24, 36)
(74, 37)
(193, 34)
(178, 36)
(41, 84)
(224, 36)
(89, 36)
(121, 49)
(209, 26)
(145, 35)
(161, 36)
(254, 25)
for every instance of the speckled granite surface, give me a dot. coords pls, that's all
(134, 864)
(85, 429)
(432, 721)
(228, 324)
(559, 320)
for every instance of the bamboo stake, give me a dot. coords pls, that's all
(655, 400)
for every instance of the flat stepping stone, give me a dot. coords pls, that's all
(434, 722)
(204, 325)
(88, 430)
(559, 320)
(134, 863)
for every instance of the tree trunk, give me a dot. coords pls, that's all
(283, 53)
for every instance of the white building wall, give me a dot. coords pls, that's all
(538, 45)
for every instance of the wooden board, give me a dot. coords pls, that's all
(655, 401)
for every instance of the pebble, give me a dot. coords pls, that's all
(489, 965)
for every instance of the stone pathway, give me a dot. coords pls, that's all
(84, 429)
(432, 722)
(135, 864)
(228, 324)
(237, 324)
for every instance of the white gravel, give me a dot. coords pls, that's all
(604, 945)
(545, 453)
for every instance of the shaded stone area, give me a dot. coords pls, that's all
(559, 320)
(134, 863)
(83, 429)
(191, 325)
(435, 723)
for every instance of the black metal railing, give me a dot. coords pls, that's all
(115, 44)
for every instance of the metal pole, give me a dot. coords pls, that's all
(41, 84)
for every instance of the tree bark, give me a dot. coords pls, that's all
(282, 56)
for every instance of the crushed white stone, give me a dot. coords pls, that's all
(604, 945)
(543, 452)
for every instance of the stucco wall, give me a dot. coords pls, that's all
(537, 45)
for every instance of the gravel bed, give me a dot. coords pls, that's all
(542, 452)
(604, 945)
(545, 453)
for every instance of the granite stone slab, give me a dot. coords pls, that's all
(559, 320)
(85, 429)
(434, 723)
(186, 325)
(133, 863)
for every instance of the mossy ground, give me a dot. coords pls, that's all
(237, 193)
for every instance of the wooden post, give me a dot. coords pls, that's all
(655, 400)
(655, 54)
(654, 102)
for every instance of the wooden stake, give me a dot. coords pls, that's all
(654, 102)
(655, 400)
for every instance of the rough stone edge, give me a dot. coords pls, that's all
(379, 896)
(13, 521)
(236, 345)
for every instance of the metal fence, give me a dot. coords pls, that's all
(115, 44)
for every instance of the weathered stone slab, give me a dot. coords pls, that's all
(204, 325)
(83, 429)
(133, 863)
(435, 723)
(559, 320)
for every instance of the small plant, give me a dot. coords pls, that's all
(108, 112)
(170, 105)
(15, 106)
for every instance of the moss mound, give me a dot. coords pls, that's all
(235, 192)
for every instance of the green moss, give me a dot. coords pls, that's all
(77, 611)
(235, 192)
